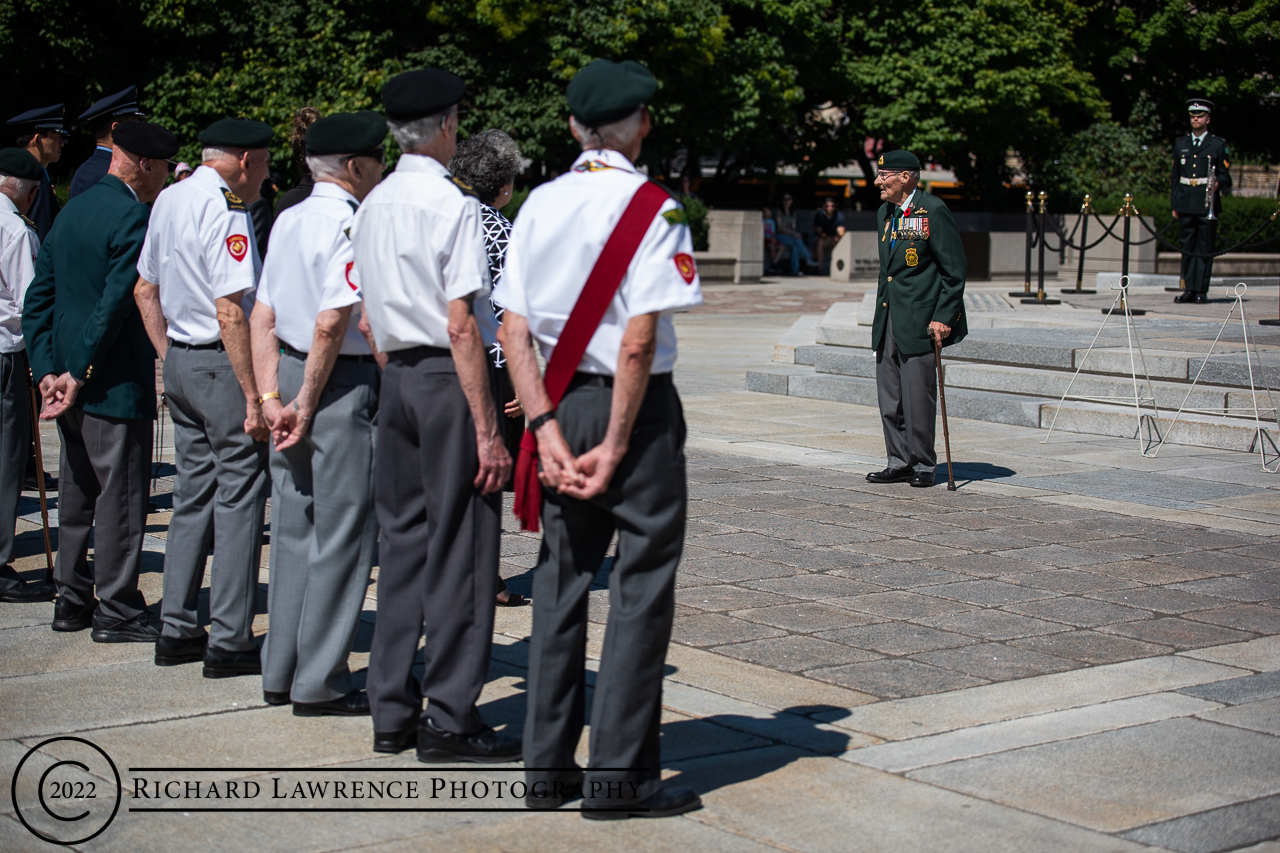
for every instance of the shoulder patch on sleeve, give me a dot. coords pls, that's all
(234, 202)
(675, 216)
(464, 187)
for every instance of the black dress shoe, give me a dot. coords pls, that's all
(31, 484)
(393, 742)
(437, 745)
(172, 651)
(1185, 296)
(921, 480)
(668, 802)
(139, 629)
(27, 592)
(354, 704)
(219, 663)
(552, 795)
(69, 617)
(890, 475)
(273, 697)
(1202, 299)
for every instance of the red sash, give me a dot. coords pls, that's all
(606, 276)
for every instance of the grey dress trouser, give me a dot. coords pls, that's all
(646, 503)
(438, 561)
(103, 486)
(219, 497)
(15, 434)
(907, 387)
(323, 534)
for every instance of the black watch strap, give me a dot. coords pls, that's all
(541, 419)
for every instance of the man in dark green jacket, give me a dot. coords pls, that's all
(920, 298)
(95, 367)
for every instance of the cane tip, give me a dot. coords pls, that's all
(951, 487)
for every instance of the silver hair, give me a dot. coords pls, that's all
(326, 166)
(488, 161)
(913, 174)
(412, 136)
(212, 153)
(20, 187)
(617, 134)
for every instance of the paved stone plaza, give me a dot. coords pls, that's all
(1078, 650)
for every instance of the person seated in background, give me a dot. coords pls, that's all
(828, 228)
(790, 237)
(772, 247)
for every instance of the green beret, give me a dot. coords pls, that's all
(346, 133)
(899, 161)
(421, 93)
(19, 163)
(607, 91)
(237, 133)
(145, 140)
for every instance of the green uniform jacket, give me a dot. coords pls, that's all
(79, 315)
(1194, 163)
(931, 288)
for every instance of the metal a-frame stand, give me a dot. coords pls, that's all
(1149, 445)
(1260, 437)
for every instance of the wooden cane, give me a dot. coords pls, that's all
(942, 399)
(44, 501)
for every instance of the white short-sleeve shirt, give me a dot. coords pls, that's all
(199, 247)
(18, 247)
(418, 245)
(558, 235)
(311, 268)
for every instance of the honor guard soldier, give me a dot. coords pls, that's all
(41, 133)
(611, 448)
(322, 403)
(920, 298)
(197, 274)
(96, 371)
(440, 461)
(20, 177)
(103, 118)
(1200, 174)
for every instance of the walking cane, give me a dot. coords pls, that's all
(44, 502)
(942, 398)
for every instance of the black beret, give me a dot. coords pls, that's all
(899, 161)
(237, 133)
(19, 163)
(347, 133)
(607, 91)
(1199, 105)
(145, 140)
(421, 93)
(41, 118)
(122, 103)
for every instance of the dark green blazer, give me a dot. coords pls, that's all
(79, 315)
(1194, 162)
(921, 279)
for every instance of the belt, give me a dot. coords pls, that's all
(599, 380)
(355, 359)
(1194, 182)
(216, 345)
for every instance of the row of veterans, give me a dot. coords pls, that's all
(353, 367)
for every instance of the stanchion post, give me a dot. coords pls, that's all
(1085, 211)
(1269, 321)
(1026, 285)
(1043, 224)
(1127, 211)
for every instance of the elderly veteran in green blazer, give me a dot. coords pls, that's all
(920, 298)
(95, 367)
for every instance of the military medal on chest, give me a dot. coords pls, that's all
(912, 257)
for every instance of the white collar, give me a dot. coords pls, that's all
(906, 202)
(419, 163)
(328, 189)
(208, 175)
(607, 156)
(130, 189)
(1200, 137)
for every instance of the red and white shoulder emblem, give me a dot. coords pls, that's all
(238, 246)
(350, 283)
(686, 267)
